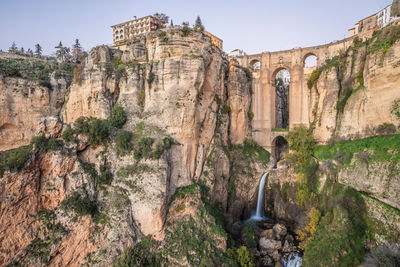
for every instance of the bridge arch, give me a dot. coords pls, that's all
(279, 147)
(255, 64)
(310, 60)
(281, 86)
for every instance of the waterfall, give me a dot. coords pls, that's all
(260, 200)
(292, 260)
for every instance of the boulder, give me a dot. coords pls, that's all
(269, 234)
(280, 230)
(276, 256)
(266, 261)
(269, 245)
(288, 247)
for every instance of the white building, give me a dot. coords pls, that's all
(384, 16)
(236, 53)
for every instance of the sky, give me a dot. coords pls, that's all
(254, 25)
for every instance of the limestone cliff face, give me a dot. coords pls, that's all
(22, 105)
(354, 96)
(180, 87)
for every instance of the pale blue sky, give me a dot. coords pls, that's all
(252, 25)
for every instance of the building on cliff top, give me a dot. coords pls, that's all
(126, 31)
(366, 27)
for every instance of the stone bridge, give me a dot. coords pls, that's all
(265, 66)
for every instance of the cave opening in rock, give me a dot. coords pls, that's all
(280, 147)
(282, 84)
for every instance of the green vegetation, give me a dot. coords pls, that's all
(186, 30)
(151, 78)
(385, 148)
(249, 236)
(386, 129)
(114, 67)
(81, 205)
(162, 35)
(225, 109)
(249, 74)
(118, 116)
(250, 115)
(141, 99)
(95, 129)
(14, 160)
(32, 69)
(342, 231)
(242, 256)
(384, 39)
(252, 151)
(280, 130)
(104, 178)
(43, 144)
(195, 238)
(135, 169)
(68, 135)
(144, 253)
(396, 109)
(123, 143)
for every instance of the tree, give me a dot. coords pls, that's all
(161, 16)
(172, 23)
(38, 50)
(198, 25)
(29, 52)
(62, 53)
(76, 51)
(22, 51)
(13, 49)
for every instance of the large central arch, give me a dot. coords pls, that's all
(265, 67)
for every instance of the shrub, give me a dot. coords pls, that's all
(242, 256)
(14, 159)
(250, 115)
(68, 135)
(314, 77)
(95, 129)
(123, 142)
(118, 117)
(249, 236)
(43, 144)
(396, 108)
(82, 205)
(98, 132)
(308, 234)
(163, 36)
(141, 98)
(186, 30)
(143, 148)
(225, 109)
(144, 253)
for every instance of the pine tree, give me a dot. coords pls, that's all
(76, 51)
(172, 23)
(13, 49)
(38, 50)
(198, 25)
(29, 52)
(22, 51)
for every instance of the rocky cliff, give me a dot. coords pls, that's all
(84, 190)
(353, 95)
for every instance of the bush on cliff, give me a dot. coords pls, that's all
(14, 160)
(143, 253)
(118, 116)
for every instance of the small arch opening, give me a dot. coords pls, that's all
(280, 147)
(310, 61)
(255, 65)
